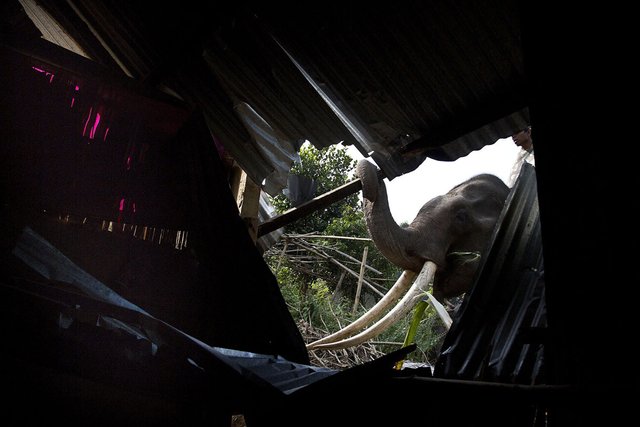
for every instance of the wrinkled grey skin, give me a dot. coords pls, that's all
(460, 221)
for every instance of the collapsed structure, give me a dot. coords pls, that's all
(132, 287)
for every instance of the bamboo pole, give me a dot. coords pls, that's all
(349, 257)
(322, 236)
(368, 267)
(360, 278)
(339, 264)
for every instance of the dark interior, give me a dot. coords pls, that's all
(115, 184)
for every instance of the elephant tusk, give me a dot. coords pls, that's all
(373, 314)
(405, 305)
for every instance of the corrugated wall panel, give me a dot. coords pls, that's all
(497, 332)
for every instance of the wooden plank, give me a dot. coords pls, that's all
(309, 207)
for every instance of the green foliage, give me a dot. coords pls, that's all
(313, 306)
(330, 168)
(428, 336)
(289, 279)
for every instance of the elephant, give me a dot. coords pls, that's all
(459, 222)
(442, 245)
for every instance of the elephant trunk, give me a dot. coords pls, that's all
(387, 235)
(392, 241)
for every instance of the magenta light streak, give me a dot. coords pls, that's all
(122, 205)
(73, 99)
(92, 134)
(129, 163)
(45, 72)
(105, 134)
(84, 131)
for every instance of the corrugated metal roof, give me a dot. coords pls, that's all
(419, 78)
(49, 28)
(402, 81)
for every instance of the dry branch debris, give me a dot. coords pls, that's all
(337, 359)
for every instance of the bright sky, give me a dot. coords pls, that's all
(408, 192)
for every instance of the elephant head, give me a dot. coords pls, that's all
(443, 243)
(447, 230)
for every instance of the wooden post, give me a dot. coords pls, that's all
(248, 201)
(360, 279)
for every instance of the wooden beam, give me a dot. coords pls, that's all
(309, 207)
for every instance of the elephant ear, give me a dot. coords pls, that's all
(368, 174)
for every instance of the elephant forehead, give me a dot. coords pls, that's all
(442, 207)
(434, 205)
(451, 215)
(477, 204)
